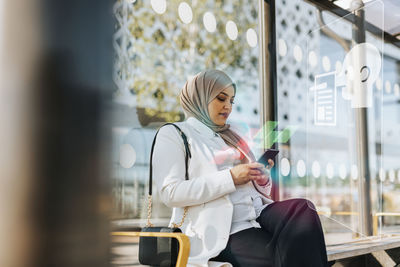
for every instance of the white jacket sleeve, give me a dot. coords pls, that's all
(169, 174)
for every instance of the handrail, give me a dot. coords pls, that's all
(375, 216)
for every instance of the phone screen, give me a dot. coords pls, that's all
(269, 154)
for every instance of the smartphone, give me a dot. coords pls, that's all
(269, 154)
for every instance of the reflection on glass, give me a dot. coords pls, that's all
(185, 12)
(159, 6)
(251, 37)
(354, 172)
(329, 170)
(301, 168)
(396, 89)
(282, 48)
(297, 53)
(342, 171)
(382, 174)
(127, 156)
(388, 87)
(312, 59)
(326, 63)
(316, 169)
(285, 167)
(231, 30)
(209, 22)
(392, 176)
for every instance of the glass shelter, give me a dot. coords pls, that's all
(318, 80)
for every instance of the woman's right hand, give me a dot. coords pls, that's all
(243, 173)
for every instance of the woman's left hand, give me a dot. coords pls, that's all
(264, 173)
(271, 164)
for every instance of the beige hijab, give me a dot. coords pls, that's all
(195, 96)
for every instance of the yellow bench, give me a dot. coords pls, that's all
(183, 240)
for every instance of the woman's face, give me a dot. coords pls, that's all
(221, 106)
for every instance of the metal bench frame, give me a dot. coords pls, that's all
(183, 240)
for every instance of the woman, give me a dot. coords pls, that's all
(230, 218)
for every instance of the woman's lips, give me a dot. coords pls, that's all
(225, 115)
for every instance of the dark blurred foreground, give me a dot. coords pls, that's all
(56, 81)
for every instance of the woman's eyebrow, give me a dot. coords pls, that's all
(226, 94)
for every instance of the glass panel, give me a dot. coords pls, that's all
(344, 99)
(316, 59)
(159, 44)
(390, 172)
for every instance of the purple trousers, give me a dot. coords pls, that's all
(291, 236)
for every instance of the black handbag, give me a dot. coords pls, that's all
(161, 251)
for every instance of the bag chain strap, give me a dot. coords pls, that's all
(149, 201)
(150, 197)
(149, 206)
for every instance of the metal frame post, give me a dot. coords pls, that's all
(361, 119)
(267, 71)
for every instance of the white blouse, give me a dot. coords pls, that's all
(247, 203)
(247, 206)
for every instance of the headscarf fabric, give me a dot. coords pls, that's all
(195, 96)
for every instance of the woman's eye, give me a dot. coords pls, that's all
(224, 99)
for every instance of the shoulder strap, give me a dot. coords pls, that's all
(187, 155)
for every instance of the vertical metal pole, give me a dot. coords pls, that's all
(267, 71)
(361, 116)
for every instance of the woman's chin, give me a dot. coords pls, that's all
(221, 123)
